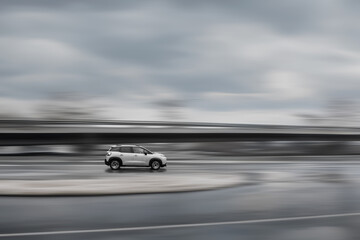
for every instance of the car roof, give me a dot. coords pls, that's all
(125, 145)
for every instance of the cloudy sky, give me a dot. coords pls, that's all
(223, 61)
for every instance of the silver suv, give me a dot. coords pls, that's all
(133, 155)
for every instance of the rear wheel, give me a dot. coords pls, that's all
(115, 164)
(155, 165)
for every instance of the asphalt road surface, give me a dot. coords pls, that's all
(310, 198)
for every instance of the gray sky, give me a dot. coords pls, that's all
(227, 61)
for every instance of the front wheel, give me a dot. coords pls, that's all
(115, 165)
(155, 165)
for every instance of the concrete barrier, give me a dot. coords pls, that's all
(130, 184)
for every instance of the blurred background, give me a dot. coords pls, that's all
(258, 89)
(206, 61)
(274, 63)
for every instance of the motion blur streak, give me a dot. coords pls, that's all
(179, 225)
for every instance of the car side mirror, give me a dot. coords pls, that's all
(145, 153)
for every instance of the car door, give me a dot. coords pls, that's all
(126, 155)
(141, 156)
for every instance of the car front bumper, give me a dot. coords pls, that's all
(106, 162)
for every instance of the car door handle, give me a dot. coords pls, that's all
(120, 154)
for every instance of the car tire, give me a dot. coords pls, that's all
(115, 164)
(155, 165)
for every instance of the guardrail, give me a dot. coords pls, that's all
(35, 132)
(19, 139)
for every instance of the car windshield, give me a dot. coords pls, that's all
(148, 151)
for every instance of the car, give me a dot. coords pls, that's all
(133, 155)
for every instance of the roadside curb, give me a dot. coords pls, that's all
(124, 185)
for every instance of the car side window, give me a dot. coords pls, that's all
(138, 150)
(126, 149)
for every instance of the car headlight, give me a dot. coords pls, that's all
(108, 154)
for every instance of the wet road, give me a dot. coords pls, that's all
(301, 200)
